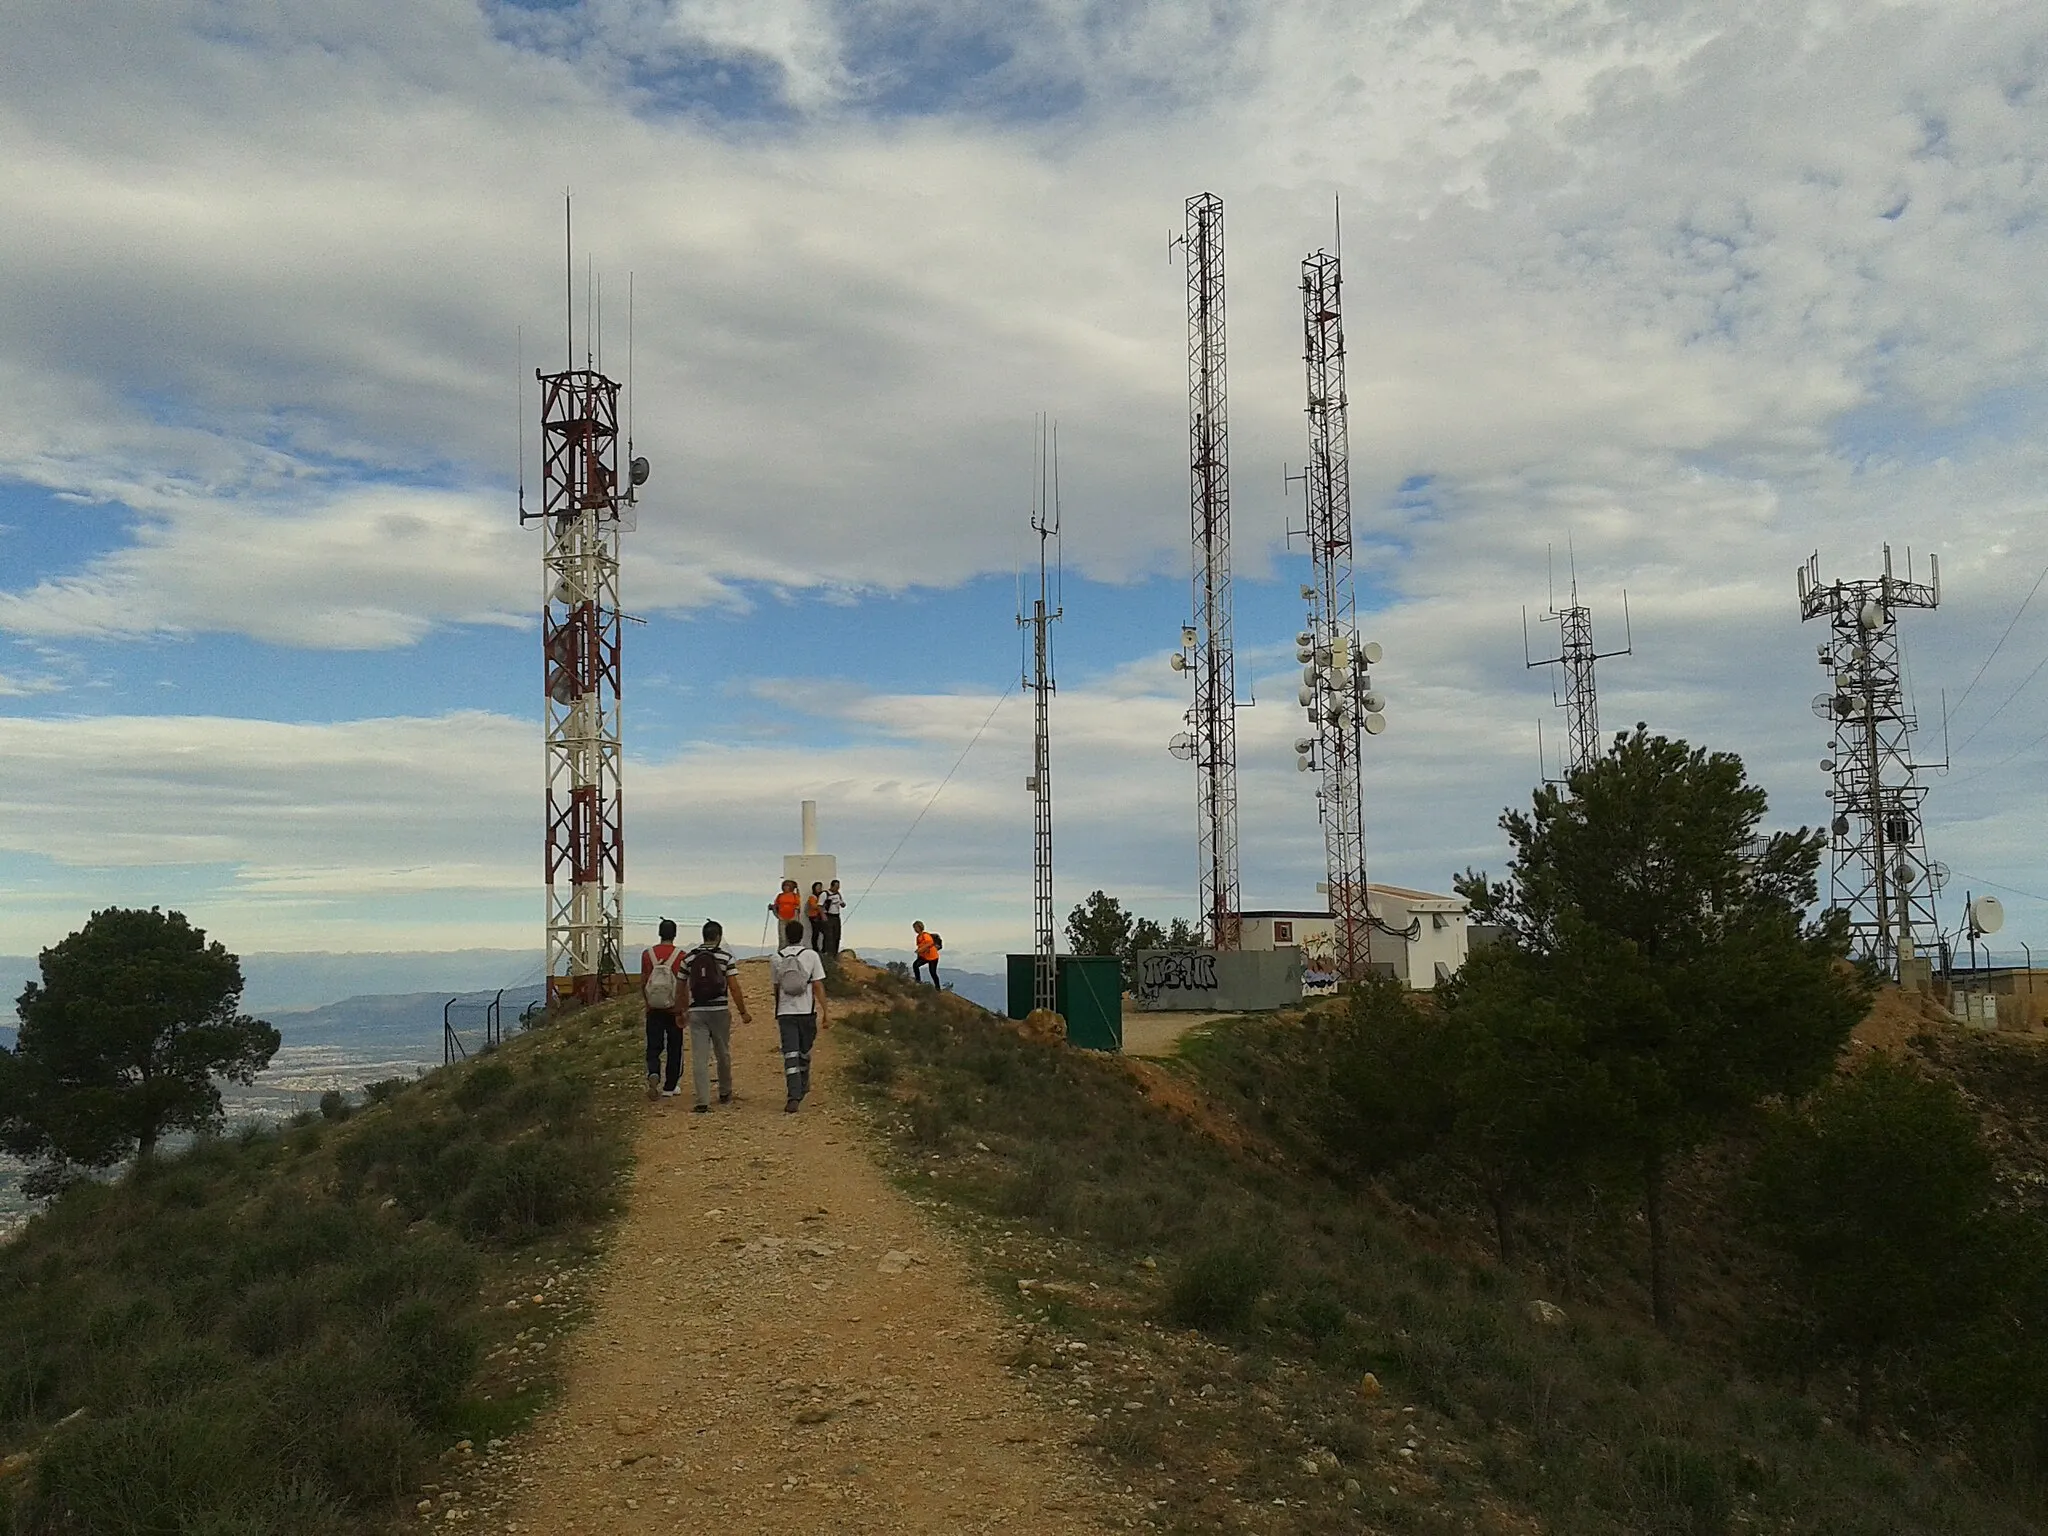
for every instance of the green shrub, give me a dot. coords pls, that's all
(1217, 1287)
(875, 1065)
(334, 1105)
(384, 1090)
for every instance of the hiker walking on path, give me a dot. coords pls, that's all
(799, 1009)
(928, 947)
(835, 911)
(714, 978)
(661, 989)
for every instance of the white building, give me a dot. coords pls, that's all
(1434, 954)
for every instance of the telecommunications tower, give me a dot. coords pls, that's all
(1206, 646)
(583, 843)
(1879, 872)
(1045, 522)
(1336, 689)
(1576, 653)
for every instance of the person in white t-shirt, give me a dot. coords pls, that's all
(835, 912)
(799, 978)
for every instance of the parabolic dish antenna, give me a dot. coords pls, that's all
(1371, 652)
(1841, 826)
(1987, 914)
(1374, 724)
(1937, 876)
(1824, 705)
(1827, 765)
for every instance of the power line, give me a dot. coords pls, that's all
(2003, 637)
(2043, 662)
(2011, 889)
(934, 799)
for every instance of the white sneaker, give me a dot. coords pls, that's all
(669, 1093)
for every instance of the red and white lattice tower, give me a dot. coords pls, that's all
(1206, 644)
(583, 841)
(1336, 688)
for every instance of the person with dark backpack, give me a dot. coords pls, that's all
(713, 979)
(661, 987)
(928, 947)
(799, 1009)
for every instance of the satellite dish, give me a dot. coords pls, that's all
(1374, 724)
(1827, 765)
(1937, 876)
(1182, 746)
(1305, 638)
(1844, 705)
(1841, 826)
(1903, 877)
(1824, 705)
(1308, 674)
(1306, 696)
(1301, 764)
(562, 688)
(1308, 594)
(1371, 653)
(562, 593)
(1303, 653)
(1178, 662)
(1871, 616)
(1987, 914)
(638, 471)
(1305, 744)
(1373, 703)
(1187, 636)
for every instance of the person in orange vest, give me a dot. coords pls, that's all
(928, 947)
(814, 914)
(787, 906)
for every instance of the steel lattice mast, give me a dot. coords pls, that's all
(1879, 872)
(1576, 654)
(1334, 682)
(1207, 644)
(583, 841)
(1045, 522)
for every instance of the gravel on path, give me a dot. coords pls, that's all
(782, 1342)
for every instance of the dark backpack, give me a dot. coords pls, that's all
(937, 942)
(707, 978)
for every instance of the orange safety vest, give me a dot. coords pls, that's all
(926, 948)
(786, 904)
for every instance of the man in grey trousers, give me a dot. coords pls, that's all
(799, 977)
(713, 977)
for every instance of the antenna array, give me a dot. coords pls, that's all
(1879, 873)
(1206, 644)
(1045, 522)
(1336, 688)
(1576, 653)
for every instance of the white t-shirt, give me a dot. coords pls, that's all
(814, 970)
(835, 903)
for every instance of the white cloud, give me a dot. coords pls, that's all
(1698, 285)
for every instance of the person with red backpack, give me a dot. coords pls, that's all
(661, 989)
(713, 977)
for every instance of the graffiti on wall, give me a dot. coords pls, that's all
(1179, 970)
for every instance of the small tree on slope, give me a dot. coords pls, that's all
(1878, 1191)
(1640, 905)
(121, 1040)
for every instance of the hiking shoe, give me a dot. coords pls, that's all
(790, 1107)
(725, 1098)
(700, 1109)
(670, 1093)
(653, 1087)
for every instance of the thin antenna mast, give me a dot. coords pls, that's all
(1045, 522)
(1336, 687)
(1576, 654)
(1207, 647)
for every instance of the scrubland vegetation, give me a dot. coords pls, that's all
(281, 1331)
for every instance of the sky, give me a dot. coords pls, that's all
(1667, 294)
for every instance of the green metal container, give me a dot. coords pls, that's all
(1091, 997)
(1021, 984)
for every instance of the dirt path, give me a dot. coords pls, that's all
(783, 1343)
